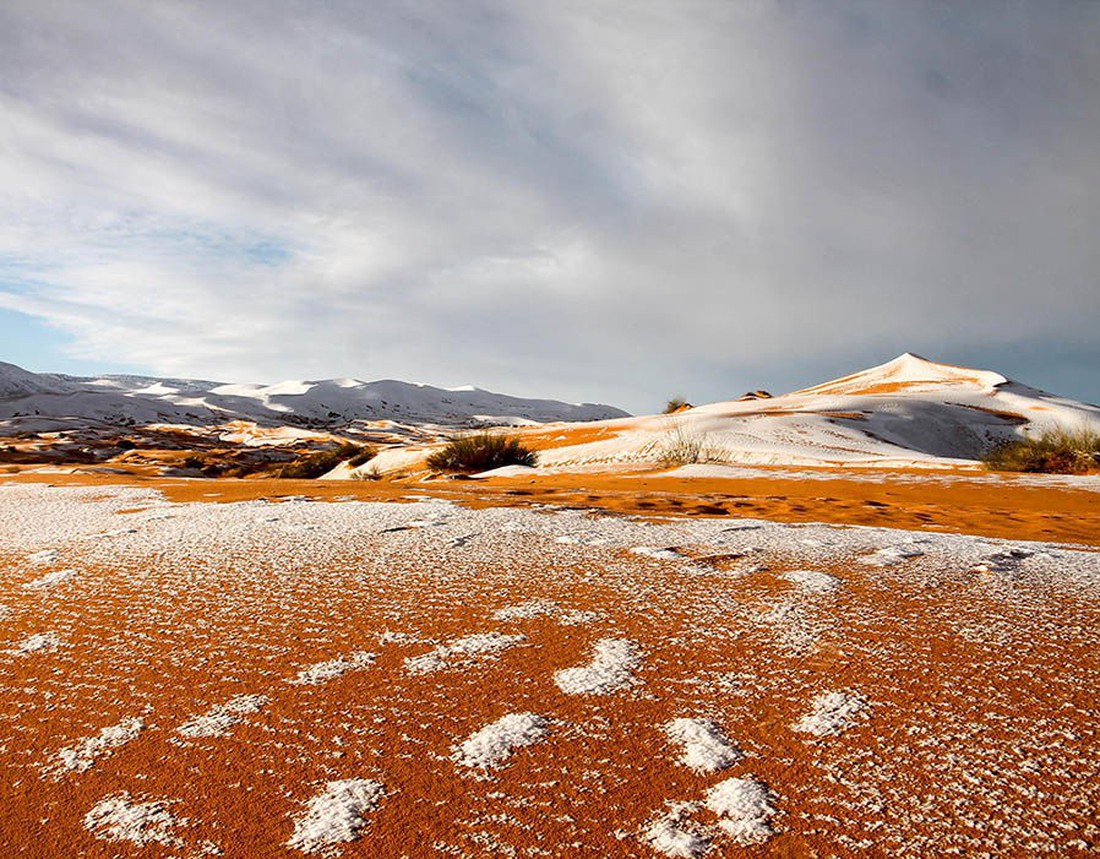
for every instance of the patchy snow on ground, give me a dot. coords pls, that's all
(335, 815)
(660, 554)
(706, 748)
(46, 556)
(745, 807)
(526, 610)
(83, 756)
(219, 720)
(891, 556)
(50, 579)
(461, 651)
(611, 669)
(489, 747)
(322, 672)
(39, 642)
(832, 713)
(675, 834)
(813, 581)
(118, 818)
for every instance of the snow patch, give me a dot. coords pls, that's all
(658, 553)
(117, 818)
(49, 580)
(219, 720)
(745, 806)
(812, 580)
(461, 650)
(890, 556)
(526, 610)
(321, 672)
(706, 748)
(493, 744)
(610, 669)
(82, 757)
(40, 642)
(673, 834)
(336, 815)
(831, 713)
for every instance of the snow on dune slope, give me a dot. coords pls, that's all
(909, 412)
(50, 400)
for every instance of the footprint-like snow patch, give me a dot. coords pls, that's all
(674, 834)
(336, 815)
(117, 818)
(813, 581)
(460, 651)
(49, 580)
(82, 757)
(493, 744)
(745, 808)
(322, 672)
(219, 720)
(831, 713)
(611, 669)
(890, 556)
(526, 610)
(656, 552)
(40, 642)
(706, 748)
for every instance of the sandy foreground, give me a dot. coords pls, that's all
(281, 676)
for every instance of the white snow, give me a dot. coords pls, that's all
(611, 669)
(658, 553)
(46, 556)
(526, 610)
(492, 745)
(219, 720)
(322, 672)
(745, 806)
(706, 748)
(39, 642)
(335, 815)
(890, 556)
(460, 651)
(83, 756)
(831, 713)
(814, 581)
(117, 818)
(673, 834)
(50, 579)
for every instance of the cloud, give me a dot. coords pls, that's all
(588, 200)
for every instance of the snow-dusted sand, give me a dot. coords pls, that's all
(342, 679)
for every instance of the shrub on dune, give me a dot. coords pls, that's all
(313, 465)
(1054, 452)
(481, 452)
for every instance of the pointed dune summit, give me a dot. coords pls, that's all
(907, 413)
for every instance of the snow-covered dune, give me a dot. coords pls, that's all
(909, 412)
(53, 401)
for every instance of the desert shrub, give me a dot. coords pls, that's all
(313, 465)
(371, 473)
(680, 447)
(1054, 452)
(481, 452)
(674, 405)
(365, 455)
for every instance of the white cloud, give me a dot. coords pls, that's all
(572, 199)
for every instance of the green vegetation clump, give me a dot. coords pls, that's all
(313, 465)
(674, 405)
(1054, 452)
(481, 452)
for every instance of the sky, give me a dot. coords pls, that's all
(579, 199)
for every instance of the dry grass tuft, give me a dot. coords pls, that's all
(1054, 452)
(481, 452)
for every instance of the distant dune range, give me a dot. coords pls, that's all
(907, 413)
(50, 401)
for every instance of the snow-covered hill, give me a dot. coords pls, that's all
(909, 412)
(47, 401)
